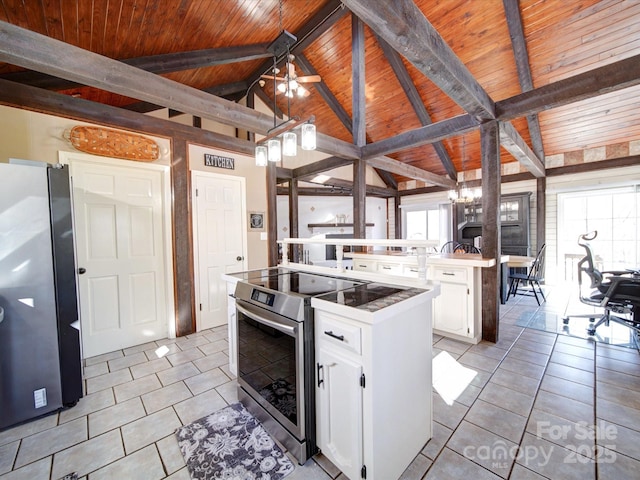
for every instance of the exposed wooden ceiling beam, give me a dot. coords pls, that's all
(610, 78)
(176, 62)
(283, 174)
(400, 168)
(219, 91)
(371, 190)
(320, 166)
(403, 25)
(316, 192)
(40, 100)
(316, 26)
(27, 49)
(511, 140)
(337, 108)
(334, 187)
(388, 178)
(519, 45)
(421, 136)
(358, 100)
(326, 94)
(410, 90)
(158, 64)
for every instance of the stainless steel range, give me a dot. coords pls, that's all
(276, 351)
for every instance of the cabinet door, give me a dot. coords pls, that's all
(450, 309)
(339, 410)
(364, 265)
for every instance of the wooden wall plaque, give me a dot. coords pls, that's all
(113, 143)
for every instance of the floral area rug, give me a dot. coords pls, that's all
(231, 444)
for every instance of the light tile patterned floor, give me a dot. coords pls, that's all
(530, 411)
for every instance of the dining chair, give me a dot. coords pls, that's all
(449, 247)
(467, 248)
(526, 283)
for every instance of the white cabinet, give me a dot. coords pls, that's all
(401, 265)
(451, 309)
(233, 327)
(373, 390)
(457, 312)
(364, 265)
(339, 410)
(390, 268)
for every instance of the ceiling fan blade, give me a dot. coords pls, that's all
(272, 77)
(309, 79)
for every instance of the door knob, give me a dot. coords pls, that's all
(239, 258)
(82, 271)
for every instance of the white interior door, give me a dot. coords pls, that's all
(119, 226)
(220, 242)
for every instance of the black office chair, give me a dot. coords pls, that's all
(467, 248)
(617, 291)
(519, 283)
(449, 247)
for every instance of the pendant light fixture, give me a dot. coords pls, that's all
(281, 140)
(462, 194)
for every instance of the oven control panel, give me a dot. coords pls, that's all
(262, 297)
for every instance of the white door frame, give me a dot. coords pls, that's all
(194, 223)
(67, 157)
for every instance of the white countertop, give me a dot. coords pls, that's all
(461, 259)
(458, 259)
(386, 313)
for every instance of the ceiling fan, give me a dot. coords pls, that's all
(290, 83)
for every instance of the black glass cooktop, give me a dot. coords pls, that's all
(301, 283)
(371, 296)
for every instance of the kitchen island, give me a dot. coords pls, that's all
(373, 355)
(457, 312)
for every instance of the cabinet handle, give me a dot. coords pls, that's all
(320, 380)
(449, 274)
(362, 266)
(413, 269)
(386, 268)
(338, 337)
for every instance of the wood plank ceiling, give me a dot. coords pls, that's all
(220, 47)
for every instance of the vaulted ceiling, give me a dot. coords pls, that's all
(504, 47)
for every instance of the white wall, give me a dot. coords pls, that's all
(256, 194)
(37, 136)
(324, 210)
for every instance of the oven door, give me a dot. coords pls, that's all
(271, 364)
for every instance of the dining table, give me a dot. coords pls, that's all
(519, 263)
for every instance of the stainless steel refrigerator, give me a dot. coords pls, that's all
(40, 360)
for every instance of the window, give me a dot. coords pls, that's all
(614, 213)
(427, 222)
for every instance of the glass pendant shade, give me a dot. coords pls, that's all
(282, 87)
(289, 144)
(308, 136)
(274, 154)
(261, 156)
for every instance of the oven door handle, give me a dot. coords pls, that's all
(262, 316)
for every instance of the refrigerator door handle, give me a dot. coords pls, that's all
(1, 314)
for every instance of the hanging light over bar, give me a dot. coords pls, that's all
(261, 156)
(289, 144)
(274, 154)
(308, 141)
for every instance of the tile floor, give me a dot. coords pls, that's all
(541, 405)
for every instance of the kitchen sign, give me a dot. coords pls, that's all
(219, 162)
